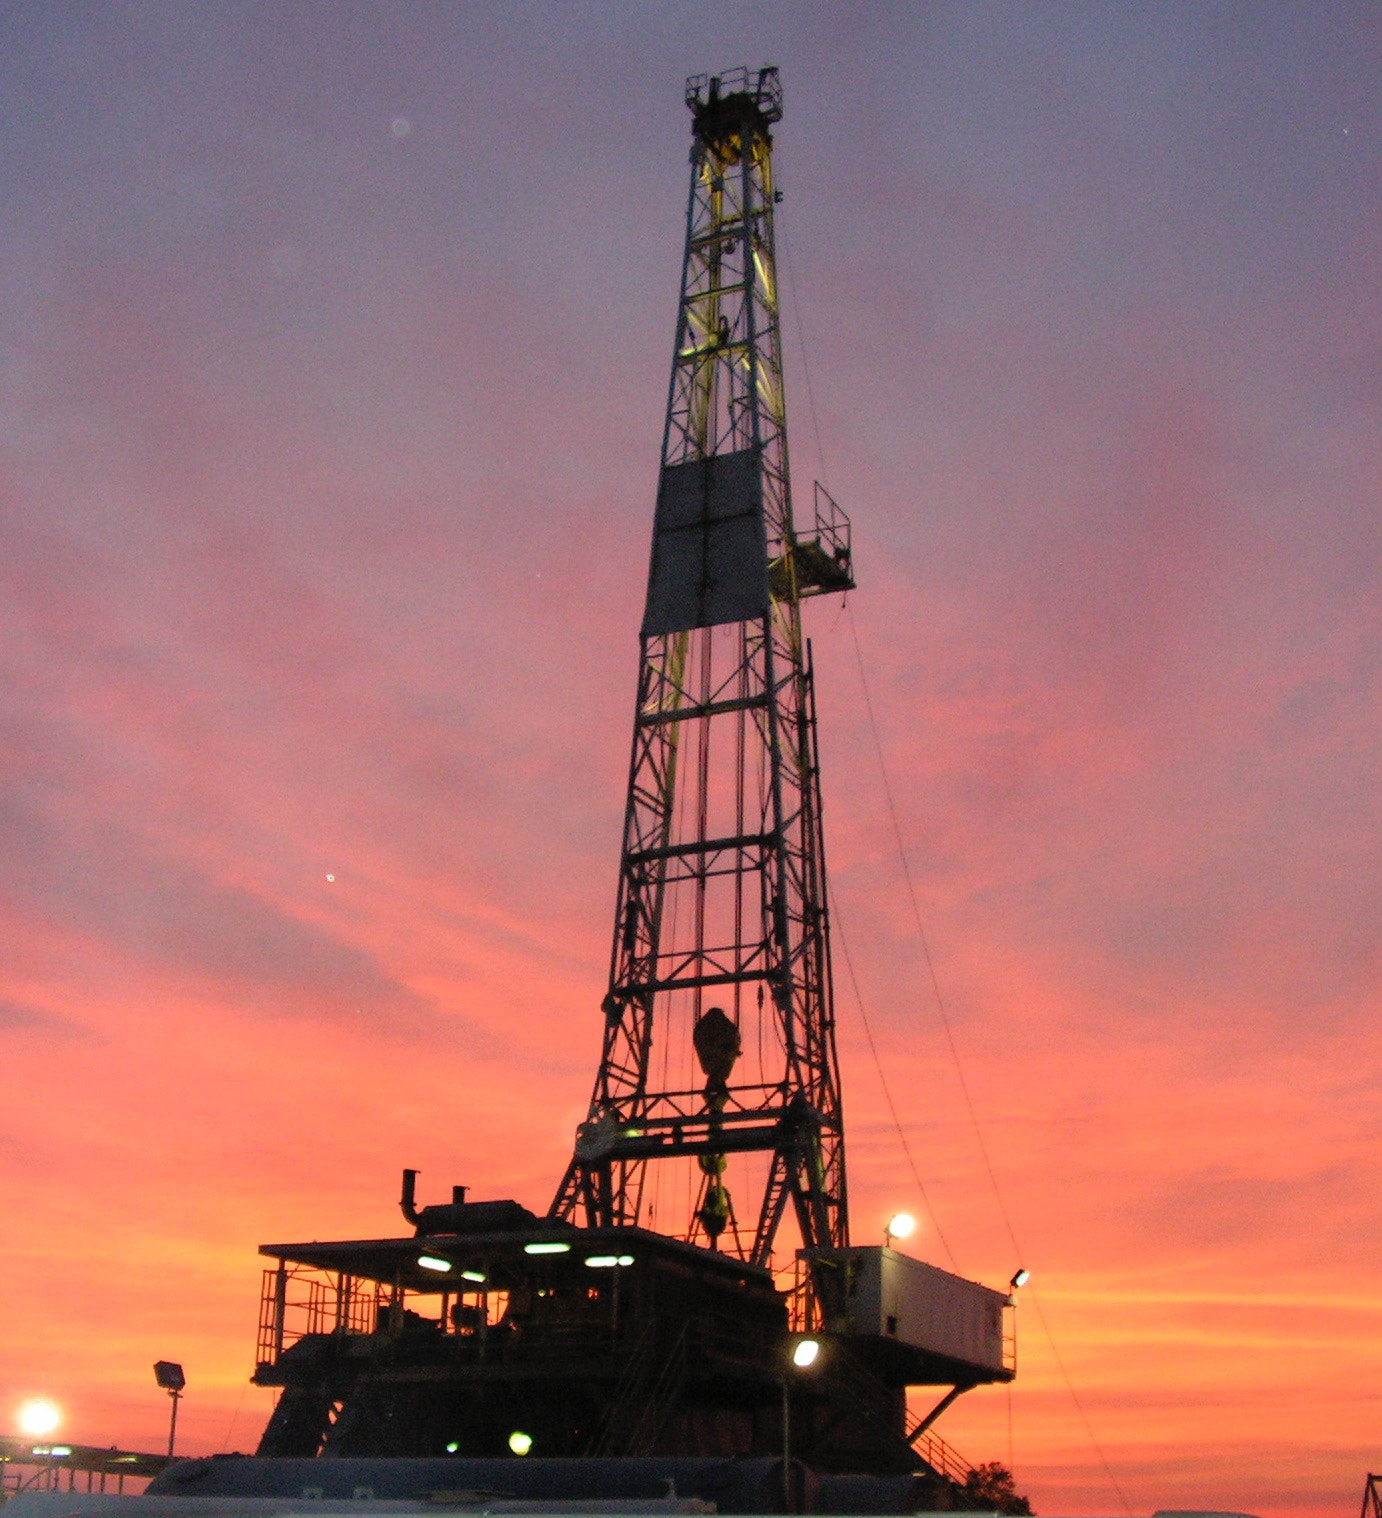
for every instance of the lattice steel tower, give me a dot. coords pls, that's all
(718, 1098)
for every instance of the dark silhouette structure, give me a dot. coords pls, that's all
(701, 1229)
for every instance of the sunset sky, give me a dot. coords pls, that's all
(333, 351)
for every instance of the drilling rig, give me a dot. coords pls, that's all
(660, 1318)
(722, 877)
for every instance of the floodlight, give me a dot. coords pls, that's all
(170, 1377)
(902, 1225)
(806, 1353)
(1020, 1278)
(38, 1417)
(519, 1442)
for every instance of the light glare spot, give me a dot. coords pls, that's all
(519, 1442)
(38, 1417)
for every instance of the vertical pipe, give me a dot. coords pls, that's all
(786, 1448)
(280, 1306)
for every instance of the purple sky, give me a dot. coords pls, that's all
(333, 352)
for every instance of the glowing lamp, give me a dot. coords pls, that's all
(1020, 1278)
(902, 1225)
(478, 1276)
(552, 1248)
(806, 1353)
(519, 1442)
(431, 1262)
(38, 1417)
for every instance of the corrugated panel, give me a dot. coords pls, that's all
(931, 1309)
(710, 552)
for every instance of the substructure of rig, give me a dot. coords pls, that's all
(646, 1341)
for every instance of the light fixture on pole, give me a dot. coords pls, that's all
(172, 1380)
(805, 1353)
(902, 1225)
(1020, 1278)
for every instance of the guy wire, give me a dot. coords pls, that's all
(955, 1058)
